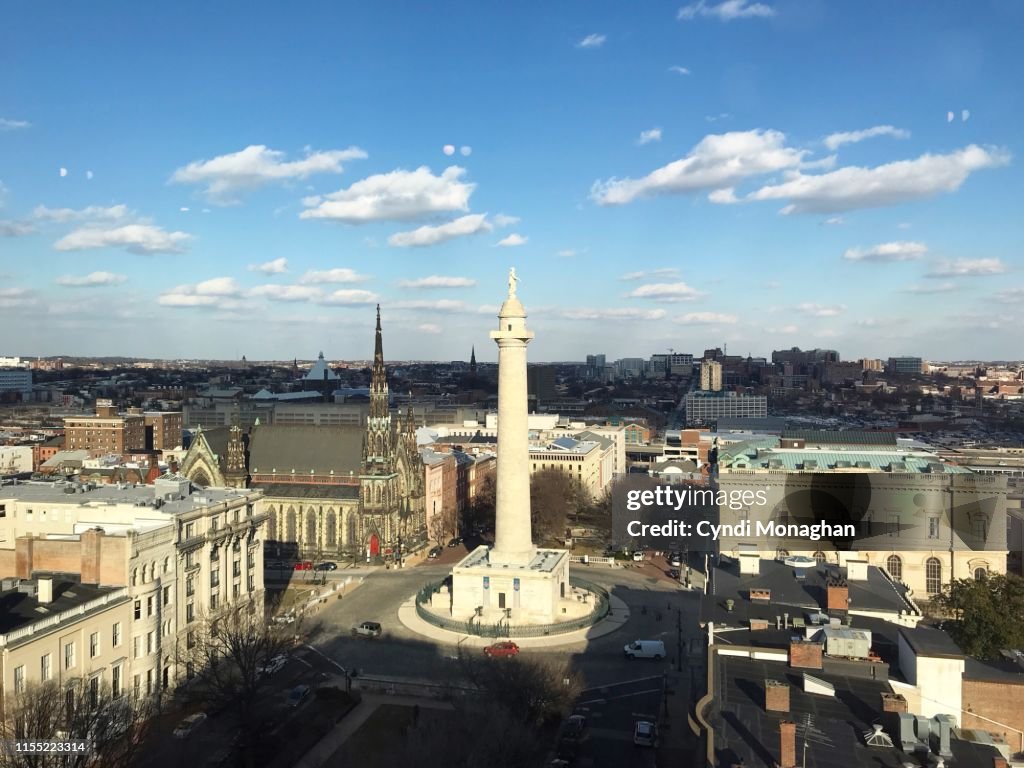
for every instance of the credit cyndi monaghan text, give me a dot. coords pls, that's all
(678, 529)
(677, 498)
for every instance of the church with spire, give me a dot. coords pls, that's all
(329, 491)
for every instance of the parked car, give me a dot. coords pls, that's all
(298, 695)
(572, 734)
(645, 734)
(274, 565)
(272, 667)
(189, 725)
(503, 649)
(435, 552)
(304, 565)
(455, 542)
(638, 556)
(673, 573)
(675, 560)
(367, 629)
(645, 649)
(328, 566)
(285, 618)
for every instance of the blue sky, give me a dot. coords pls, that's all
(251, 178)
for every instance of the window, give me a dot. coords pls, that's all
(237, 514)
(190, 639)
(190, 612)
(94, 691)
(190, 586)
(213, 602)
(236, 568)
(69, 655)
(933, 576)
(150, 643)
(894, 565)
(215, 555)
(45, 669)
(190, 530)
(190, 559)
(215, 578)
(933, 527)
(19, 679)
(981, 527)
(137, 685)
(149, 605)
(819, 557)
(115, 681)
(214, 523)
(115, 635)
(138, 609)
(980, 574)
(69, 701)
(167, 595)
(252, 583)
(137, 646)
(234, 590)
(894, 525)
(94, 645)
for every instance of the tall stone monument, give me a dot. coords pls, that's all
(513, 580)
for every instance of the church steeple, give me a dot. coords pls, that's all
(378, 447)
(379, 407)
(472, 360)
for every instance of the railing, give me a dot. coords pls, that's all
(602, 605)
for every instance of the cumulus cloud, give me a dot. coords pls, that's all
(512, 240)
(665, 292)
(9, 228)
(469, 224)
(725, 11)
(835, 140)
(820, 310)
(272, 267)
(592, 41)
(92, 280)
(613, 314)
(717, 161)
(350, 297)
(504, 220)
(726, 196)
(225, 176)
(287, 292)
(7, 124)
(216, 292)
(567, 253)
(336, 275)
(396, 196)
(62, 172)
(679, 70)
(933, 288)
(663, 272)
(16, 298)
(646, 137)
(439, 305)
(834, 220)
(903, 181)
(895, 251)
(967, 268)
(706, 318)
(438, 281)
(89, 213)
(429, 328)
(136, 238)
(448, 149)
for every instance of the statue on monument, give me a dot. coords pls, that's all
(512, 281)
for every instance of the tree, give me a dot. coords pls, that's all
(480, 512)
(554, 495)
(442, 525)
(988, 613)
(224, 654)
(75, 710)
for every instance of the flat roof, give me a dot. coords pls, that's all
(106, 494)
(20, 609)
(927, 641)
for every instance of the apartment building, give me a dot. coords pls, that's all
(163, 429)
(108, 432)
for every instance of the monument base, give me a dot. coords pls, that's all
(536, 592)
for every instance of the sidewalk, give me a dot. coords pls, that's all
(354, 720)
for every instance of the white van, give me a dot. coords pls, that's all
(645, 649)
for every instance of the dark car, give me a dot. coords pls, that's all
(455, 542)
(298, 695)
(328, 566)
(435, 552)
(572, 734)
(673, 573)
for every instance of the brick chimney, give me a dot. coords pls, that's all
(92, 555)
(787, 744)
(893, 702)
(804, 654)
(837, 595)
(23, 551)
(776, 696)
(999, 762)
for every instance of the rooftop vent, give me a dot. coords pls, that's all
(876, 737)
(810, 464)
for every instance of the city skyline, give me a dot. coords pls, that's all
(670, 177)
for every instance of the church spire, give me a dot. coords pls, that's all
(472, 360)
(379, 406)
(378, 444)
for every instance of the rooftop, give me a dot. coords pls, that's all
(20, 606)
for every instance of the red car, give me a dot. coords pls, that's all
(502, 650)
(304, 565)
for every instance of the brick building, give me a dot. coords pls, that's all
(108, 432)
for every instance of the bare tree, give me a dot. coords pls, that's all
(225, 653)
(480, 511)
(115, 726)
(554, 495)
(442, 525)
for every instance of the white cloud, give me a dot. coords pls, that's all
(93, 279)
(512, 240)
(950, 117)
(287, 292)
(592, 41)
(834, 220)
(273, 267)
(665, 292)
(219, 292)
(136, 238)
(225, 176)
(10, 228)
(567, 253)
(184, 209)
(679, 70)
(350, 297)
(726, 196)
(717, 161)
(7, 124)
(15, 298)
(967, 268)
(728, 10)
(89, 175)
(820, 310)
(853, 187)
(448, 149)
(646, 137)
(706, 318)
(336, 275)
(933, 288)
(89, 213)
(218, 286)
(786, 329)
(965, 115)
(469, 224)
(439, 305)
(836, 140)
(465, 151)
(894, 251)
(503, 220)
(429, 328)
(396, 196)
(613, 314)
(62, 172)
(438, 281)
(663, 272)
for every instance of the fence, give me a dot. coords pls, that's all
(602, 604)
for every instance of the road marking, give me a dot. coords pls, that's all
(326, 658)
(624, 682)
(606, 699)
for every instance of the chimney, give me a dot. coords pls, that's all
(776, 696)
(838, 595)
(23, 547)
(893, 702)
(999, 762)
(804, 654)
(787, 744)
(92, 550)
(45, 586)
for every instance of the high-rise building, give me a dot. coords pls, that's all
(711, 376)
(905, 365)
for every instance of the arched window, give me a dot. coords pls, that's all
(291, 532)
(272, 525)
(819, 557)
(331, 532)
(933, 576)
(135, 576)
(980, 573)
(310, 538)
(894, 565)
(167, 565)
